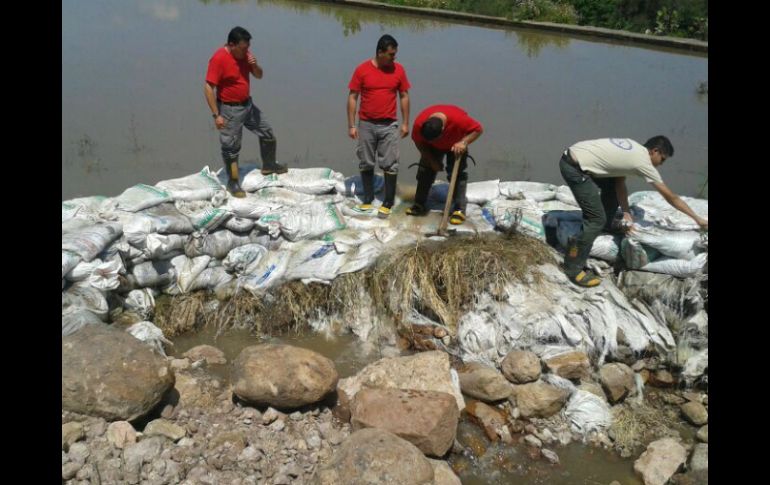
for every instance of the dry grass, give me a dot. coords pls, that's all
(635, 426)
(438, 279)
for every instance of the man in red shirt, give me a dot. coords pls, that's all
(378, 80)
(443, 130)
(232, 108)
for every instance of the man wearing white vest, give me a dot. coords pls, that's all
(596, 171)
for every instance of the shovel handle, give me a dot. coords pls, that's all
(445, 219)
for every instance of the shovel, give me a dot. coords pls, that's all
(445, 218)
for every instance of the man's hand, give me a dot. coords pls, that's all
(628, 223)
(404, 130)
(703, 223)
(251, 59)
(459, 148)
(353, 132)
(219, 121)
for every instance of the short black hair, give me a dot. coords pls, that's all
(237, 35)
(432, 128)
(662, 143)
(386, 41)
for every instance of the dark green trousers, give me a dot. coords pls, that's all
(598, 200)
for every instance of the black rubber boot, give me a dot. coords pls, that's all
(390, 195)
(267, 148)
(367, 180)
(459, 199)
(425, 179)
(233, 185)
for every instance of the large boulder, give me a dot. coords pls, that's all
(426, 371)
(617, 380)
(521, 366)
(660, 461)
(282, 376)
(374, 456)
(484, 383)
(427, 419)
(539, 399)
(570, 365)
(109, 373)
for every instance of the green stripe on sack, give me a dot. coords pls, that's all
(331, 210)
(210, 215)
(214, 183)
(151, 189)
(328, 174)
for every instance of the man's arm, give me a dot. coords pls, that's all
(679, 204)
(622, 193)
(211, 100)
(462, 146)
(256, 69)
(352, 101)
(404, 96)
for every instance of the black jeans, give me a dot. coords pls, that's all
(598, 200)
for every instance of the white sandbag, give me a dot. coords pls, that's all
(303, 222)
(254, 206)
(536, 191)
(636, 254)
(239, 224)
(681, 268)
(353, 186)
(159, 246)
(564, 195)
(276, 197)
(242, 257)
(650, 206)
(105, 276)
(150, 335)
(306, 180)
(141, 196)
(210, 279)
(89, 241)
(188, 269)
(523, 215)
(82, 207)
(204, 215)
(675, 244)
(362, 256)
(587, 412)
(84, 296)
(314, 260)
(346, 239)
(68, 262)
(141, 302)
(152, 274)
(77, 319)
(268, 272)
(556, 205)
(167, 219)
(215, 244)
(199, 186)
(482, 192)
(696, 365)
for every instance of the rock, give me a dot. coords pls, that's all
(250, 453)
(426, 371)
(236, 438)
(161, 427)
(304, 377)
(693, 396)
(69, 470)
(570, 365)
(490, 418)
(210, 354)
(270, 415)
(617, 380)
(660, 461)
(593, 388)
(549, 455)
(120, 434)
(699, 461)
(521, 366)
(662, 378)
(136, 454)
(180, 364)
(533, 441)
(278, 425)
(538, 399)
(484, 383)
(695, 413)
(79, 452)
(70, 433)
(443, 474)
(372, 456)
(703, 434)
(111, 374)
(427, 419)
(670, 398)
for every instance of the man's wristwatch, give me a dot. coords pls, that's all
(215, 116)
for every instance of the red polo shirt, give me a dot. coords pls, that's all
(378, 89)
(229, 75)
(458, 125)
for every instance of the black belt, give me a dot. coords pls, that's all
(381, 121)
(236, 103)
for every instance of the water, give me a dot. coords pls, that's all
(133, 108)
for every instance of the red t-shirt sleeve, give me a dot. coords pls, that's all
(404, 84)
(214, 73)
(470, 125)
(356, 80)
